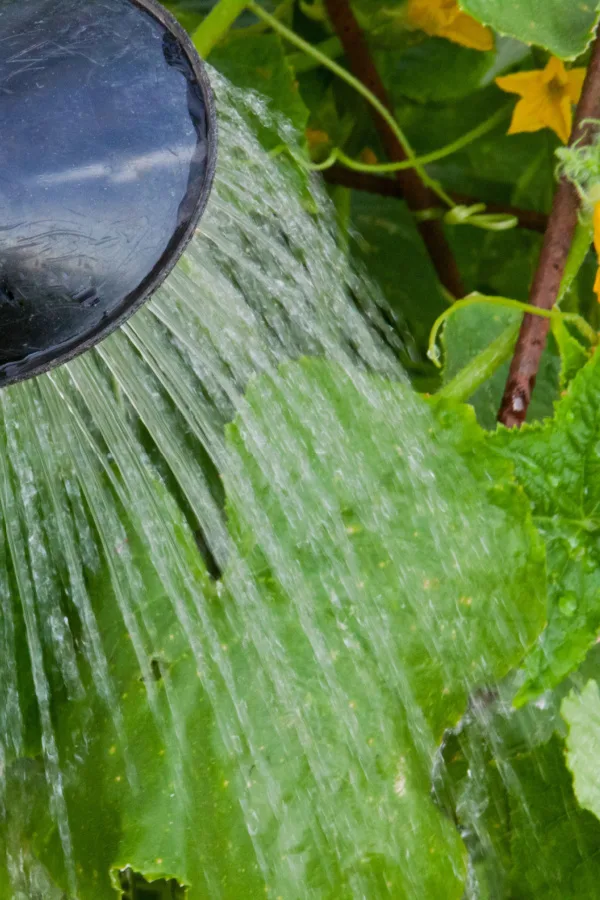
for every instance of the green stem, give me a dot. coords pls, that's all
(381, 168)
(585, 329)
(471, 300)
(301, 63)
(358, 86)
(482, 367)
(584, 235)
(216, 25)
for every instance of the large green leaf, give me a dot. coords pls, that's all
(144, 783)
(129, 775)
(280, 729)
(557, 464)
(564, 29)
(382, 624)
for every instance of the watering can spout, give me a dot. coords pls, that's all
(106, 163)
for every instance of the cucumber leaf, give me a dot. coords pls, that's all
(565, 29)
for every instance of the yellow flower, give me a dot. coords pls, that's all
(443, 18)
(547, 98)
(597, 246)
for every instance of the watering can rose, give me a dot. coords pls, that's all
(97, 204)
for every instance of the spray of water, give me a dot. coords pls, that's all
(222, 654)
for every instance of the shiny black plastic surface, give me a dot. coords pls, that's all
(106, 160)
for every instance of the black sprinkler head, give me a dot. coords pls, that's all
(107, 157)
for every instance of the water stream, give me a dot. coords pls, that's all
(273, 651)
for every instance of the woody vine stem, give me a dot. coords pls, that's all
(558, 242)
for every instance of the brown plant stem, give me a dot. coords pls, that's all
(388, 187)
(418, 197)
(553, 259)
